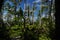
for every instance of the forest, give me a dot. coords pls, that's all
(27, 20)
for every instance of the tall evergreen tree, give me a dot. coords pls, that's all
(16, 2)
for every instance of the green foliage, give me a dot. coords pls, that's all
(44, 37)
(28, 31)
(15, 31)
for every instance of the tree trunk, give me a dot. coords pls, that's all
(15, 14)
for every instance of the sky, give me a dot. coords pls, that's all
(28, 2)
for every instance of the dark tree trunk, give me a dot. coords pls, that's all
(3, 32)
(52, 32)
